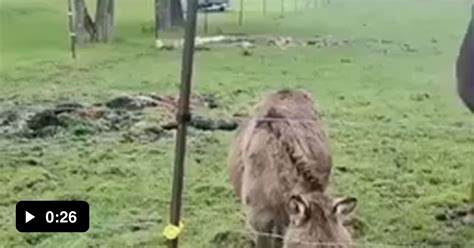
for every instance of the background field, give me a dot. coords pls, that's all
(402, 140)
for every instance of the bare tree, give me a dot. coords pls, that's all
(84, 25)
(100, 30)
(170, 13)
(104, 20)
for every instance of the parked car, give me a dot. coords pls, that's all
(213, 5)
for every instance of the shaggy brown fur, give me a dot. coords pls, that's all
(283, 150)
(465, 66)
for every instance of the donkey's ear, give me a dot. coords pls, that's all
(298, 209)
(344, 206)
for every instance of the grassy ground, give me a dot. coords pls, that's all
(402, 141)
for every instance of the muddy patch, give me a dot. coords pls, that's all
(134, 116)
(457, 217)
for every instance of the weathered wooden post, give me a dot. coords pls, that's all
(72, 31)
(183, 117)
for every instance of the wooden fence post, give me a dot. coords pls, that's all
(72, 31)
(183, 117)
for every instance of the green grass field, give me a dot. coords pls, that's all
(402, 140)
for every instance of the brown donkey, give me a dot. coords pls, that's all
(279, 154)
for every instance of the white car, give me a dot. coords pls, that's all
(213, 5)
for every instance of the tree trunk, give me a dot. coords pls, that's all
(164, 15)
(157, 19)
(104, 20)
(84, 25)
(177, 13)
(99, 31)
(170, 14)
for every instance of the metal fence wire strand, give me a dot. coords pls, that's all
(250, 231)
(252, 123)
(468, 127)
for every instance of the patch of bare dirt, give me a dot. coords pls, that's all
(135, 116)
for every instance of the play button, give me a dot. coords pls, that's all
(28, 217)
(51, 216)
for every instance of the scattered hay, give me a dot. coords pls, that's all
(380, 45)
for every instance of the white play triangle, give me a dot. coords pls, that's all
(28, 217)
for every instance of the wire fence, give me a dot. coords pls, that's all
(329, 244)
(327, 123)
(454, 127)
(316, 244)
(249, 232)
